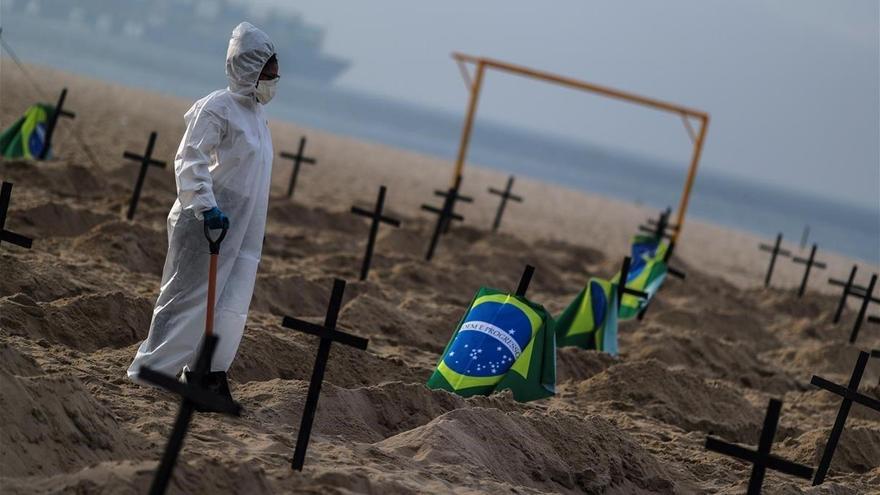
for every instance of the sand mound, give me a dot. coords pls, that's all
(577, 364)
(289, 354)
(285, 212)
(707, 356)
(131, 245)
(132, 477)
(54, 219)
(53, 424)
(557, 453)
(857, 452)
(385, 321)
(58, 177)
(16, 363)
(831, 360)
(367, 414)
(45, 278)
(678, 398)
(86, 322)
(297, 296)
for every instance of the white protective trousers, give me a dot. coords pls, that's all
(224, 160)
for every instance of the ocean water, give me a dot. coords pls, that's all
(728, 201)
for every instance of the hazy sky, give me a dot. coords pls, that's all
(793, 87)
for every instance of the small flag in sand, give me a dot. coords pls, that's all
(8, 235)
(328, 334)
(850, 394)
(504, 341)
(298, 159)
(646, 274)
(146, 160)
(762, 459)
(590, 320)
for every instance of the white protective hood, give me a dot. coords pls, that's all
(249, 50)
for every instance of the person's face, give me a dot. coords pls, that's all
(270, 70)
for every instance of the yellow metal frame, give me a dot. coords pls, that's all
(482, 63)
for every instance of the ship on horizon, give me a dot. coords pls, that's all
(175, 26)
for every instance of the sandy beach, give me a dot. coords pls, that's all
(710, 354)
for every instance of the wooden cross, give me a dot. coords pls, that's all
(810, 262)
(455, 197)
(53, 122)
(377, 217)
(876, 352)
(193, 396)
(659, 227)
(8, 235)
(850, 394)
(146, 160)
(776, 251)
(621, 286)
(761, 459)
(867, 298)
(804, 236)
(847, 290)
(525, 280)
(328, 334)
(445, 215)
(505, 195)
(298, 159)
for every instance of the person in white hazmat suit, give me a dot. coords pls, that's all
(223, 169)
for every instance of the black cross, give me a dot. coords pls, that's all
(659, 227)
(762, 459)
(298, 159)
(525, 280)
(776, 251)
(850, 394)
(876, 352)
(670, 270)
(867, 298)
(810, 262)
(53, 122)
(505, 195)
(621, 286)
(804, 236)
(378, 218)
(328, 335)
(455, 197)
(193, 396)
(851, 289)
(146, 160)
(445, 214)
(7, 235)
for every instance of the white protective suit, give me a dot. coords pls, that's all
(224, 160)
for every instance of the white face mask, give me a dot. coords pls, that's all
(266, 90)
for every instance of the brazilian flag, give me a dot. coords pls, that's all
(503, 341)
(26, 137)
(646, 273)
(590, 321)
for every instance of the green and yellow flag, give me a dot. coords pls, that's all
(646, 273)
(590, 321)
(503, 341)
(26, 137)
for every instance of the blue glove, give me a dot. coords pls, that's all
(216, 219)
